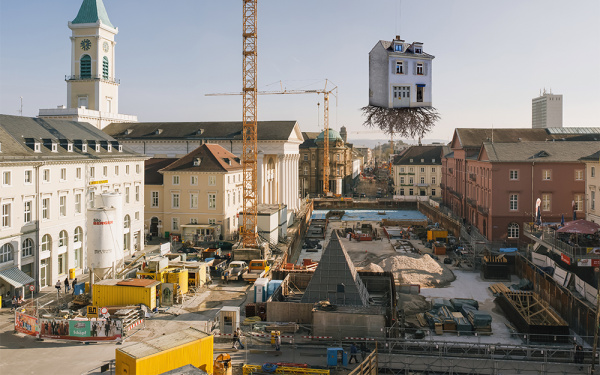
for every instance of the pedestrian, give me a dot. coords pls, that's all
(277, 341)
(67, 285)
(74, 283)
(15, 303)
(578, 357)
(353, 353)
(237, 334)
(57, 286)
(363, 351)
(226, 277)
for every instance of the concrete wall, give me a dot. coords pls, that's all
(289, 312)
(341, 324)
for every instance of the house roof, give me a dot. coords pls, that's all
(593, 157)
(92, 11)
(267, 130)
(151, 168)
(540, 152)
(18, 134)
(474, 137)
(408, 49)
(309, 139)
(213, 158)
(418, 153)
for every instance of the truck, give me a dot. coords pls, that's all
(236, 270)
(258, 268)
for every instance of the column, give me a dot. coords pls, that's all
(280, 181)
(296, 177)
(260, 184)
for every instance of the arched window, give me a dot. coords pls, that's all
(27, 247)
(6, 253)
(46, 243)
(63, 238)
(105, 67)
(513, 230)
(78, 237)
(85, 66)
(126, 222)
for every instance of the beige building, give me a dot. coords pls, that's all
(418, 171)
(92, 86)
(52, 171)
(199, 194)
(592, 187)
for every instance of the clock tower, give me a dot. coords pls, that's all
(92, 89)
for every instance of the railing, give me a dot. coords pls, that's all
(483, 210)
(548, 236)
(90, 78)
(472, 202)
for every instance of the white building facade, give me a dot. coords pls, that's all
(592, 187)
(418, 171)
(547, 111)
(48, 183)
(400, 75)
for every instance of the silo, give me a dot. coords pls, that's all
(115, 200)
(101, 238)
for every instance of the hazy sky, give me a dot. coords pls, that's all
(492, 57)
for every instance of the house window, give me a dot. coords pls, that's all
(27, 211)
(63, 174)
(154, 200)
(46, 175)
(6, 253)
(175, 223)
(174, 200)
(398, 47)
(116, 170)
(212, 180)
(305, 157)
(78, 173)
(85, 68)
(137, 215)
(547, 174)
(401, 169)
(127, 194)
(6, 178)
(579, 175)
(546, 202)
(433, 169)
(105, 68)
(193, 221)
(399, 67)
(62, 264)
(422, 169)
(175, 180)
(28, 177)
(127, 170)
(92, 172)
(513, 202)
(78, 203)
(193, 200)
(62, 204)
(27, 247)
(46, 243)
(63, 238)
(433, 180)
(410, 192)
(105, 171)
(422, 180)
(92, 199)
(513, 175)
(306, 170)
(137, 193)
(78, 235)
(194, 180)
(411, 180)
(433, 192)
(401, 191)
(401, 180)
(593, 172)
(212, 221)
(6, 215)
(212, 201)
(593, 200)
(137, 169)
(578, 202)
(418, 50)
(46, 208)
(419, 68)
(420, 93)
(513, 230)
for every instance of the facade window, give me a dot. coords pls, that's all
(78, 235)
(514, 175)
(127, 170)
(127, 194)
(175, 180)
(6, 253)
(137, 215)
(433, 180)
(546, 202)
(46, 208)
(92, 199)
(62, 264)
(212, 221)
(401, 169)
(411, 169)
(193, 221)
(85, 66)
(46, 243)
(420, 69)
(194, 180)
(193, 200)
(306, 170)
(579, 175)
(28, 176)
(46, 175)
(398, 47)
(420, 93)
(116, 170)
(410, 192)
(233, 198)
(401, 180)
(105, 171)
(27, 247)
(137, 169)
(175, 223)
(6, 215)
(63, 238)
(62, 205)
(105, 67)
(27, 211)
(78, 173)
(422, 180)
(578, 202)
(154, 200)
(411, 180)
(399, 67)
(305, 157)
(92, 172)
(547, 174)
(422, 169)
(212, 180)
(593, 172)
(63, 174)
(126, 222)
(174, 200)
(433, 192)
(513, 230)
(6, 178)
(513, 202)
(77, 258)
(137, 193)
(433, 169)
(212, 201)
(593, 200)
(401, 191)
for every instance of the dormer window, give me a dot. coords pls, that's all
(120, 148)
(411, 160)
(227, 160)
(422, 160)
(418, 50)
(158, 131)
(128, 131)
(197, 162)
(70, 147)
(37, 147)
(398, 47)
(97, 147)
(199, 131)
(84, 148)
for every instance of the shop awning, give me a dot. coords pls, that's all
(420, 85)
(16, 277)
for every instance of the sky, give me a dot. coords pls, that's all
(491, 58)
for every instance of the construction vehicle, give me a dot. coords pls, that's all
(236, 270)
(258, 268)
(440, 235)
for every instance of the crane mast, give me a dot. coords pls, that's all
(326, 166)
(250, 145)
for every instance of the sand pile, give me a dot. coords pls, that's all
(372, 267)
(417, 269)
(412, 304)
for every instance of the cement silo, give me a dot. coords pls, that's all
(102, 235)
(115, 200)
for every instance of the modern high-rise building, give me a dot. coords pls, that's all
(546, 111)
(92, 89)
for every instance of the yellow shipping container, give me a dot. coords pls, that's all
(166, 353)
(158, 276)
(124, 292)
(181, 278)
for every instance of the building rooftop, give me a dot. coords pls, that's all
(540, 152)
(163, 343)
(151, 168)
(92, 11)
(420, 155)
(206, 158)
(474, 137)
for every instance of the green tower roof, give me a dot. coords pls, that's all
(92, 11)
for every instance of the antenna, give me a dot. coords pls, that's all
(21, 108)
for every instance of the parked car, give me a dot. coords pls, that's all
(236, 269)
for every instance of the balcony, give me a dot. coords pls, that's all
(483, 210)
(546, 236)
(93, 78)
(472, 202)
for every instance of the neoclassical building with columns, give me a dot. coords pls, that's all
(278, 145)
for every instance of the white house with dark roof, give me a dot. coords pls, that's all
(52, 171)
(400, 75)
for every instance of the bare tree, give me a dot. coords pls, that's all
(410, 122)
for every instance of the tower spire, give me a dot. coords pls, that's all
(92, 11)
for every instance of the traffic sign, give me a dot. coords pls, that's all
(104, 310)
(31, 288)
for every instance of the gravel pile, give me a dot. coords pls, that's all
(372, 267)
(418, 269)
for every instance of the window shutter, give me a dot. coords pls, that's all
(414, 67)
(425, 68)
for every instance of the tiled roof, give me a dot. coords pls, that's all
(151, 168)
(267, 130)
(309, 139)
(540, 152)
(416, 153)
(92, 11)
(407, 47)
(593, 157)
(474, 137)
(213, 158)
